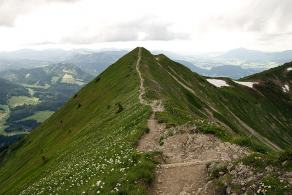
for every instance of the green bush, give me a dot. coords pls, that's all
(258, 160)
(212, 128)
(250, 143)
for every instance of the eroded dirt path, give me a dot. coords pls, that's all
(185, 152)
(149, 142)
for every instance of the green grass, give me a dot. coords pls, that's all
(214, 129)
(265, 110)
(87, 146)
(270, 182)
(40, 116)
(250, 143)
(15, 101)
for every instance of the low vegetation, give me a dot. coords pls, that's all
(88, 146)
(90, 149)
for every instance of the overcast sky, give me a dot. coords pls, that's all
(175, 25)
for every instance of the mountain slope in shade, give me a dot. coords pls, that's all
(88, 146)
(241, 109)
(279, 76)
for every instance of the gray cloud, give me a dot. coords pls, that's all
(130, 31)
(257, 16)
(272, 37)
(11, 9)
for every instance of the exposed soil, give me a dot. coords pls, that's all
(185, 152)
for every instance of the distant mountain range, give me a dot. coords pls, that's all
(92, 62)
(235, 63)
(247, 55)
(45, 79)
(231, 71)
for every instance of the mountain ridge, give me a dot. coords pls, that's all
(99, 128)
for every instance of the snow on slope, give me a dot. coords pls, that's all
(248, 84)
(218, 82)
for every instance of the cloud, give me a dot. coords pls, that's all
(208, 25)
(11, 9)
(143, 29)
(275, 37)
(259, 16)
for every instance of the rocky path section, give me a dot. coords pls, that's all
(185, 152)
(149, 142)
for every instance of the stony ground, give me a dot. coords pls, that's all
(185, 153)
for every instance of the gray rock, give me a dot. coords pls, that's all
(228, 190)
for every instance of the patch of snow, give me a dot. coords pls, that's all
(27, 75)
(289, 69)
(218, 82)
(246, 83)
(286, 88)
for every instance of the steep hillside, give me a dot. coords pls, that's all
(89, 145)
(241, 109)
(278, 80)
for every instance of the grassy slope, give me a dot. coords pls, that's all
(86, 141)
(266, 114)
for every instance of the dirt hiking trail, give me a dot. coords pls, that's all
(185, 152)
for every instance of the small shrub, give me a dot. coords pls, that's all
(217, 169)
(44, 159)
(161, 142)
(286, 156)
(97, 79)
(212, 128)
(250, 143)
(143, 171)
(120, 108)
(285, 159)
(258, 161)
(146, 130)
